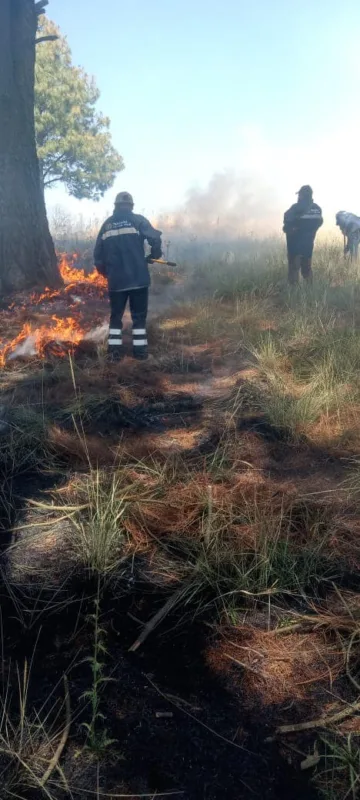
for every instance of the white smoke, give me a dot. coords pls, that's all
(98, 334)
(27, 348)
(231, 206)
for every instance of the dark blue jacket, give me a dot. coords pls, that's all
(301, 222)
(119, 251)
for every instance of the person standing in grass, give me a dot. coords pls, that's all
(349, 225)
(119, 255)
(301, 223)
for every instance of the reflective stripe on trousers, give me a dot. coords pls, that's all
(115, 337)
(139, 337)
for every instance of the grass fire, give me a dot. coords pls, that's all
(60, 332)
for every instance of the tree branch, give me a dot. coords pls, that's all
(39, 7)
(52, 165)
(321, 722)
(49, 38)
(49, 181)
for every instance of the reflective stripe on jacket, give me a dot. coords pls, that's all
(119, 252)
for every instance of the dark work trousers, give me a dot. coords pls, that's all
(138, 301)
(299, 264)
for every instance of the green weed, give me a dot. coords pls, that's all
(338, 777)
(97, 738)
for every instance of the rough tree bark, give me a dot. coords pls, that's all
(27, 255)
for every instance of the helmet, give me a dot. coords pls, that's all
(305, 190)
(124, 198)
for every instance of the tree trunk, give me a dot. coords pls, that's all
(27, 255)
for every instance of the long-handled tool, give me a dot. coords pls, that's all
(164, 263)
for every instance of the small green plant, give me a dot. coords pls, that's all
(338, 777)
(97, 737)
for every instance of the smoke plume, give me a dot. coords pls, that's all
(232, 206)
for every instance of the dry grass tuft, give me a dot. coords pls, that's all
(32, 742)
(270, 668)
(102, 508)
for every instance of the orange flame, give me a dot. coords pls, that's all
(34, 341)
(59, 334)
(71, 273)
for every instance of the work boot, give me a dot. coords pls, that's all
(115, 353)
(140, 353)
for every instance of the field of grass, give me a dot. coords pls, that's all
(180, 593)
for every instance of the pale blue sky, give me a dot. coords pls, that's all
(192, 87)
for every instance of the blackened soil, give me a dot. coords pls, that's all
(157, 416)
(176, 725)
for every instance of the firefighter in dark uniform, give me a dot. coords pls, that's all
(119, 255)
(301, 222)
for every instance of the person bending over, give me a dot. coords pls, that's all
(349, 225)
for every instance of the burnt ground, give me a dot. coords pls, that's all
(176, 725)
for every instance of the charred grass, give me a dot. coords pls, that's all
(180, 576)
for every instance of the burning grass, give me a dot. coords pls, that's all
(58, 337)
(59, 334)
